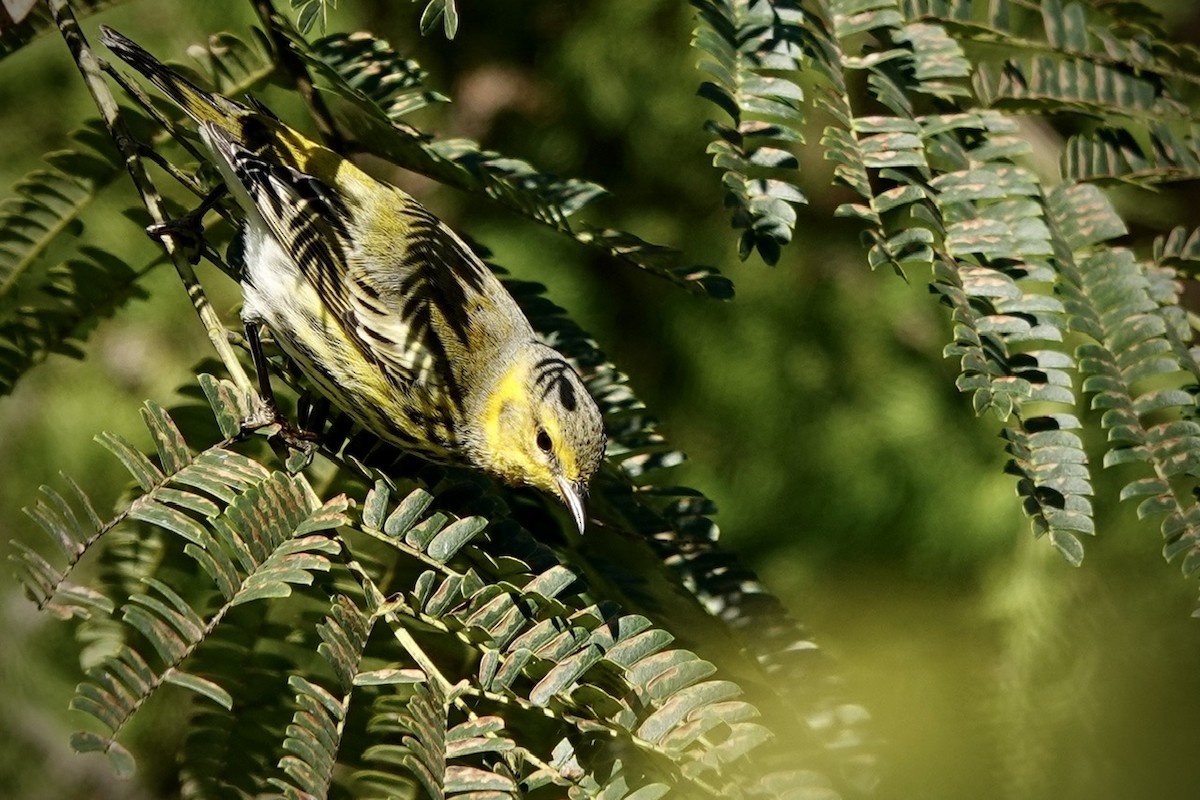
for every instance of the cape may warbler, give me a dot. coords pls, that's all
(385, 308)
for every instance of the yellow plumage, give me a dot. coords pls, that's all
(385, 308)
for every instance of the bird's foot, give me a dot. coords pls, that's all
(187, 230)
(186, 233)
(270, 423)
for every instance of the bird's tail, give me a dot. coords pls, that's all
(200, 105)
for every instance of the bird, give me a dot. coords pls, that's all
(384, 308)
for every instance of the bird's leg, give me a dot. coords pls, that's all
(188, 229)
(292, 435)
(260, 366)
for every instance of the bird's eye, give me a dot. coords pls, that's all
(543, 441)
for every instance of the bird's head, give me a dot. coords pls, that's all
(539, 426)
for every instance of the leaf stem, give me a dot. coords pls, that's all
(394, 612)
(427, 665)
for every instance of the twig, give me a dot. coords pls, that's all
(85, 60)
(295, 69)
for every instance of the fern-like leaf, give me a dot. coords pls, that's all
(346, 63)
(1135, 366)
(1095, 62)
(23, 22)
(320, 718)
(942, 189)
(48, 203)
(1114, 154)
(747, 49)
(1073, 84)
(45, 309)
(51, 309)
(310, 12)
(417, 738)
(286, 547)
(382, 76)
(73, 526)
(616, 671)
(233, 753)
(255, 533)
(436, 11)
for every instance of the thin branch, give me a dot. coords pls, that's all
(89, 67)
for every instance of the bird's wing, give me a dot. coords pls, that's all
(427, 301)
(409, 294)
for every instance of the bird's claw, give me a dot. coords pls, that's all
(271, 424)
(187, 233)
(187, 230)
(276, 425)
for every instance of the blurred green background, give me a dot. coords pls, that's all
(816, 409)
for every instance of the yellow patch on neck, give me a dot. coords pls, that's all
(509, 395)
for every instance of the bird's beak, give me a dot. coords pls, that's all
(572, 496)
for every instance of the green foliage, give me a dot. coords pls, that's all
(246, 562)
(529, 633)
(352, 622)
(46, 307)
(309, 12)
(748, 49)
(49, 303)
(443, 10)
(534, 642)
(949, 191)
(349, 65)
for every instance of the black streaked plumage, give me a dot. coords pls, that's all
(385, 308)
